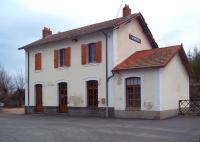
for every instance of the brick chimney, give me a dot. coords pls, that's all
(46, 32)
(126, 11)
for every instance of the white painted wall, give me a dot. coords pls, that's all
(26, 78)
(174, 84)
(75, 75)
(124, 46)
(149, 86)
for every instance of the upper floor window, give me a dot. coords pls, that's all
(38, 61)
(91, 53)
(62, 57)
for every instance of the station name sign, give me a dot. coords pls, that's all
(134, 38)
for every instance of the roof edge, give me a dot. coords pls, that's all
(137, 16)
(180, 51)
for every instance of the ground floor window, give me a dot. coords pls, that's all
(133, 93)
(92, 93)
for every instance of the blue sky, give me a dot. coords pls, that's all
(170, 21)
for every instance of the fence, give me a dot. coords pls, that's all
(191, 107)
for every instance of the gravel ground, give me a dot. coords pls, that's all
(60, 128)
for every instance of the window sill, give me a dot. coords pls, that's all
(62, 68)
(38, 71)
(91, 64)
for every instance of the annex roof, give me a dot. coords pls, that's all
(154, 58)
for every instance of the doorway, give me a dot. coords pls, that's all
(133, 93)
(92, 94)
(63, 107)
(38, 98)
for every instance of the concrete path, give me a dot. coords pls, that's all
(43, 128)
(14, 110)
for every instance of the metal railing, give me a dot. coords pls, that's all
(191, 107)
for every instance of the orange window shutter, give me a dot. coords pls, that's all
(35, 61)
(68, 56)
(55, 58)
(38, 61)
(98, 52)
(84, 54)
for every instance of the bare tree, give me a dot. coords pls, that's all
(19, 82)
(6, 84)
(194, 59)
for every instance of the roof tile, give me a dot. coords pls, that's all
(93, 28)
(158, 57)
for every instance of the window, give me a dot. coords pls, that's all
(92, 53)
(62, 57)
(133, 93)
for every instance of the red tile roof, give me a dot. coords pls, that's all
(158, 57)
(110, 24)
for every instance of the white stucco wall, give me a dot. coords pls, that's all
(124, 47)
(76, 75)
(174, 84)
(149, 88)
(26, 78)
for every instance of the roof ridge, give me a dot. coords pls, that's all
(95, 27)
(160, 48)
(150, 57)
(114, 19)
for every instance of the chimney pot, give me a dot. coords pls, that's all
(126, 11)
(46, 32)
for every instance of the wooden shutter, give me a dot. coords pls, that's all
(98, 51)
(84, 53)
(68, 56)
(55, 58)
(38, 61)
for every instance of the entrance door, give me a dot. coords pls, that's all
(133, 93)
(92, 94)
(38, 98)
(62, 97)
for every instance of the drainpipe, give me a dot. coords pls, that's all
(107, 78)
(106, 37)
